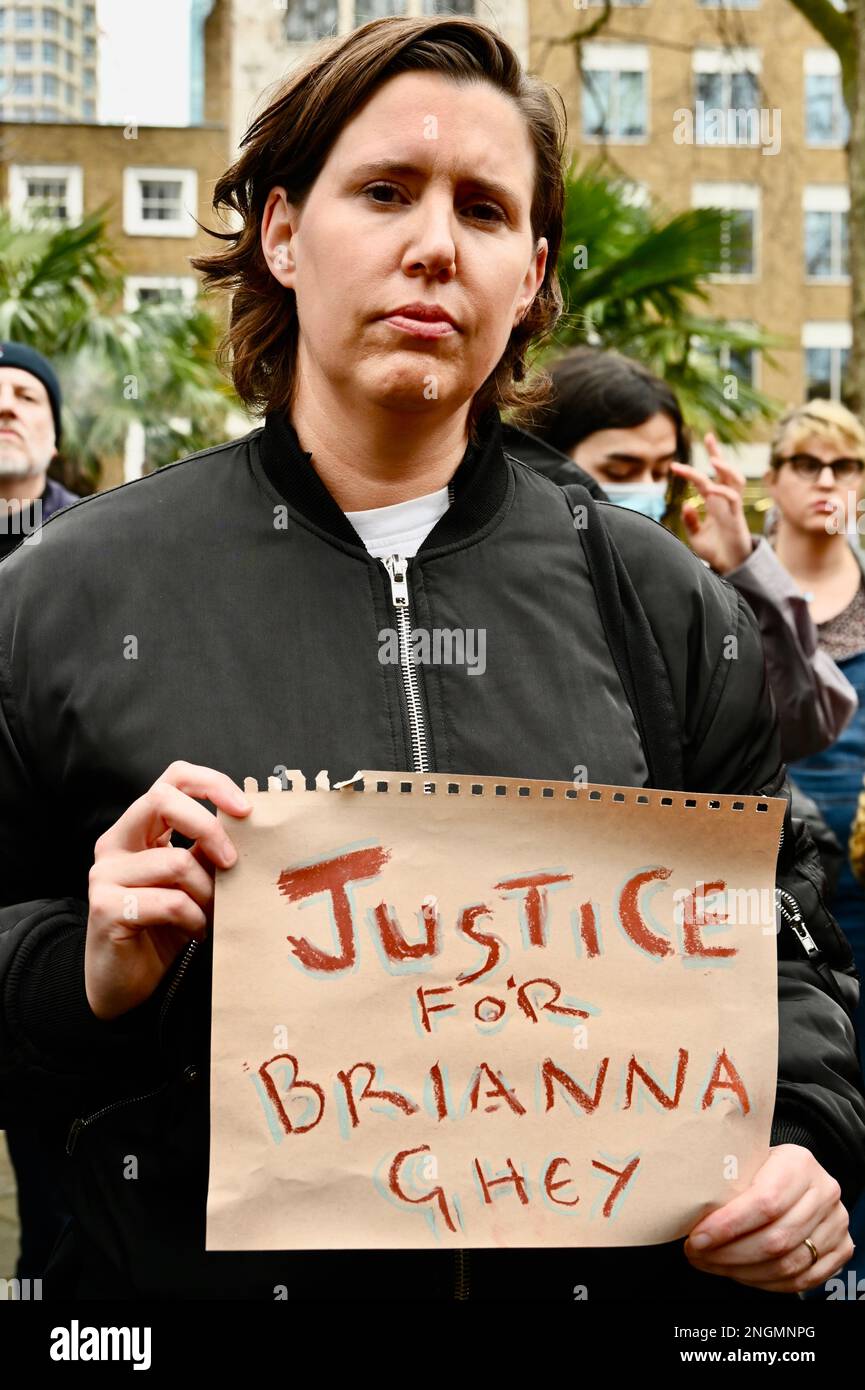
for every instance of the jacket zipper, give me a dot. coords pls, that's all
(397, 569)
(172, 988)
(83, 1123)
(792, 914)
(791, 911)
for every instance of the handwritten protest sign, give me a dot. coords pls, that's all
(487, 1013)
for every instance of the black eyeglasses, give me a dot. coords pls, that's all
(807, 466)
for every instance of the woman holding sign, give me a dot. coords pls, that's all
(398, 215)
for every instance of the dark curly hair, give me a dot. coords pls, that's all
(288, 145)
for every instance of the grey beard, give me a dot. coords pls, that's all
(12, 465)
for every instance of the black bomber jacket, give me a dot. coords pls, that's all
(223, 611)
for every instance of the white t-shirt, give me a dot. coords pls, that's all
(402, 528)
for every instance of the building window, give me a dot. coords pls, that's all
(728, 361)
(48, 113)
(53, 191)
(88, 18)
(158, 289)
(827, 350)
(70, 94)
(826, 208)
(50, 52)
(159, 202)
(741, 363)
(740, 230)
(365, 10)
(70, 61)
(22, 84)
(89, 109)
(50, 19)
(89, 77)
(827, 121)
(50, 85)
(307, 20)
(70, 28)
(24, 51)
(727, 96)
(615, 96)
(24, 17)
(89, 47)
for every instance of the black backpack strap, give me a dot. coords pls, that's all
(632, 644)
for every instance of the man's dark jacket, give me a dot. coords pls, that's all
(224, 612)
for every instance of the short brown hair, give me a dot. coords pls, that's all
(288, 145)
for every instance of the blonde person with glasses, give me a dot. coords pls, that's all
(816, 477)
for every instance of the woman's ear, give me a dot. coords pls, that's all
(278, 223)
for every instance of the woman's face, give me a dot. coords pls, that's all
(818, 504)
(424, 198)
(636, 456)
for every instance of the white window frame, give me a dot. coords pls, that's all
(821, 62)
(734, 197)
(756, 355)
(834, 334)
(73, 174)
(831, 198)
(133, 283)
(618, 58)
(724, 351)
(733, 60)
(728, 63)
(134, 223)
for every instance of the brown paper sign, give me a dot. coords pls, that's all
(452, 1011)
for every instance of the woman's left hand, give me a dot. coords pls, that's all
(758, 1238)
(722, 538)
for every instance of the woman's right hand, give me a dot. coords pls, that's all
(149, 897)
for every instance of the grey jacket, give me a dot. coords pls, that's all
(815, 701)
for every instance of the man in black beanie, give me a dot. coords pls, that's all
(29, 435)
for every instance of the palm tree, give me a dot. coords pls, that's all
(61, 292)
(633, 280)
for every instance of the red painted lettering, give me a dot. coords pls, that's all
(631, 918)
(402, 1102)
(536, 901)
(668, 1102)
(550, 1073)
(734, 1083)
(436, 1195)
(296, 1086)
(331, 876)
(511, 1177)
(624, 1177)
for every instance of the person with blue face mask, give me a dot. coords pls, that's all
(648, 498)
(615, 421)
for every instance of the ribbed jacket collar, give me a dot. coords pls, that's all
(480, 483)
